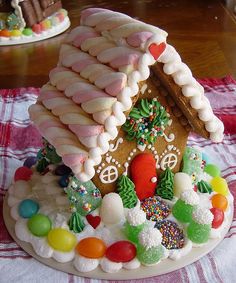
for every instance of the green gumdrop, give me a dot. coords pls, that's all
(27, 31)
(149, 256)
(182, 211)
(212, 170)
(39, 225)
(198, 233)
(132, 232)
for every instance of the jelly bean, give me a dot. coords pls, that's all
(212, 170)
(30, 161)
(60, 16)
(27, 31)
(62, 240)
(64, 12)
(218, 217)
(5, 33)
(23, 173)
(46, 24)
(55, 21)
(16, 32)
(122, 251)
(37, 28)
(220, 186)
(219, 201)
(62, 170)
(91, 247)
(39, 225)
(27, 208)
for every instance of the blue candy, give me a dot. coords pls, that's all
(27, 208)
(64, 181)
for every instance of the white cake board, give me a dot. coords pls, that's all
(163, 267)
(60, 28)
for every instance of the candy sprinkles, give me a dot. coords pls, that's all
(155, 208)
(172, 235)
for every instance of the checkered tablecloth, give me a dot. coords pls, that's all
(19, 139)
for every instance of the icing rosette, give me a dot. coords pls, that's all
(150, 238)
(190, 197)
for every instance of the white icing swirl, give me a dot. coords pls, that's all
(190, 197)
(150, 237)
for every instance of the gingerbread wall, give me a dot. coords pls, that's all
(167, 150)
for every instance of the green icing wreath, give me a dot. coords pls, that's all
(146, 122)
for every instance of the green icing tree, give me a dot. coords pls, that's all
(47, 155)
(165, 188)
(125, 188)
(76, 223)
(204, 187)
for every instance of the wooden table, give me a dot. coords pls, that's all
(203, 32)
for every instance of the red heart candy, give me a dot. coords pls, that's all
(157, 49)
(94, 221)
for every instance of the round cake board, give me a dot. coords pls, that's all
(163, 267)
(60, 28)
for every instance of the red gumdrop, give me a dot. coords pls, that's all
(37, 28)
(218, 217)
(143, 174)
(23, 173)
(122, 251)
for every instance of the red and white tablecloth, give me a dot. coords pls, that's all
(19, 139)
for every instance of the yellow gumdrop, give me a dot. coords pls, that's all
(61, 240)
(15, 32)
(220, 186)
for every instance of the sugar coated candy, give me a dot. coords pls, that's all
(62, 240)
(39, 225)
(220, 185)
(91, 247)
(28, 208)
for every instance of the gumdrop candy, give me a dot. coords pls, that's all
(39, 225)
(149, 256)
(182, 211)
(198, 233)
(132, 232)
(143, 174)
(64, 181)
(27, 208)
(219, 201)
(111, 210)
(91, 247)
(218, 217)
(30, 161)
(220, 186)
(212, 170)
(122, 251)
(23, 173)
(62, 240)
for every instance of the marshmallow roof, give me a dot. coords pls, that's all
(100, 65)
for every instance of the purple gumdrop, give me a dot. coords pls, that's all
(30, 161)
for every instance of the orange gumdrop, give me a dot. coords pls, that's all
(91, 247)
(5, 33)
(219, 201)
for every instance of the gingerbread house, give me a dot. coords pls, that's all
(30, 12)
(121, 97)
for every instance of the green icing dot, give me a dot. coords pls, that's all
(204, 187)
(27, 31)
(125, 188)
(212, 170)
(166, 185)
(76, 223)
(198, 233)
